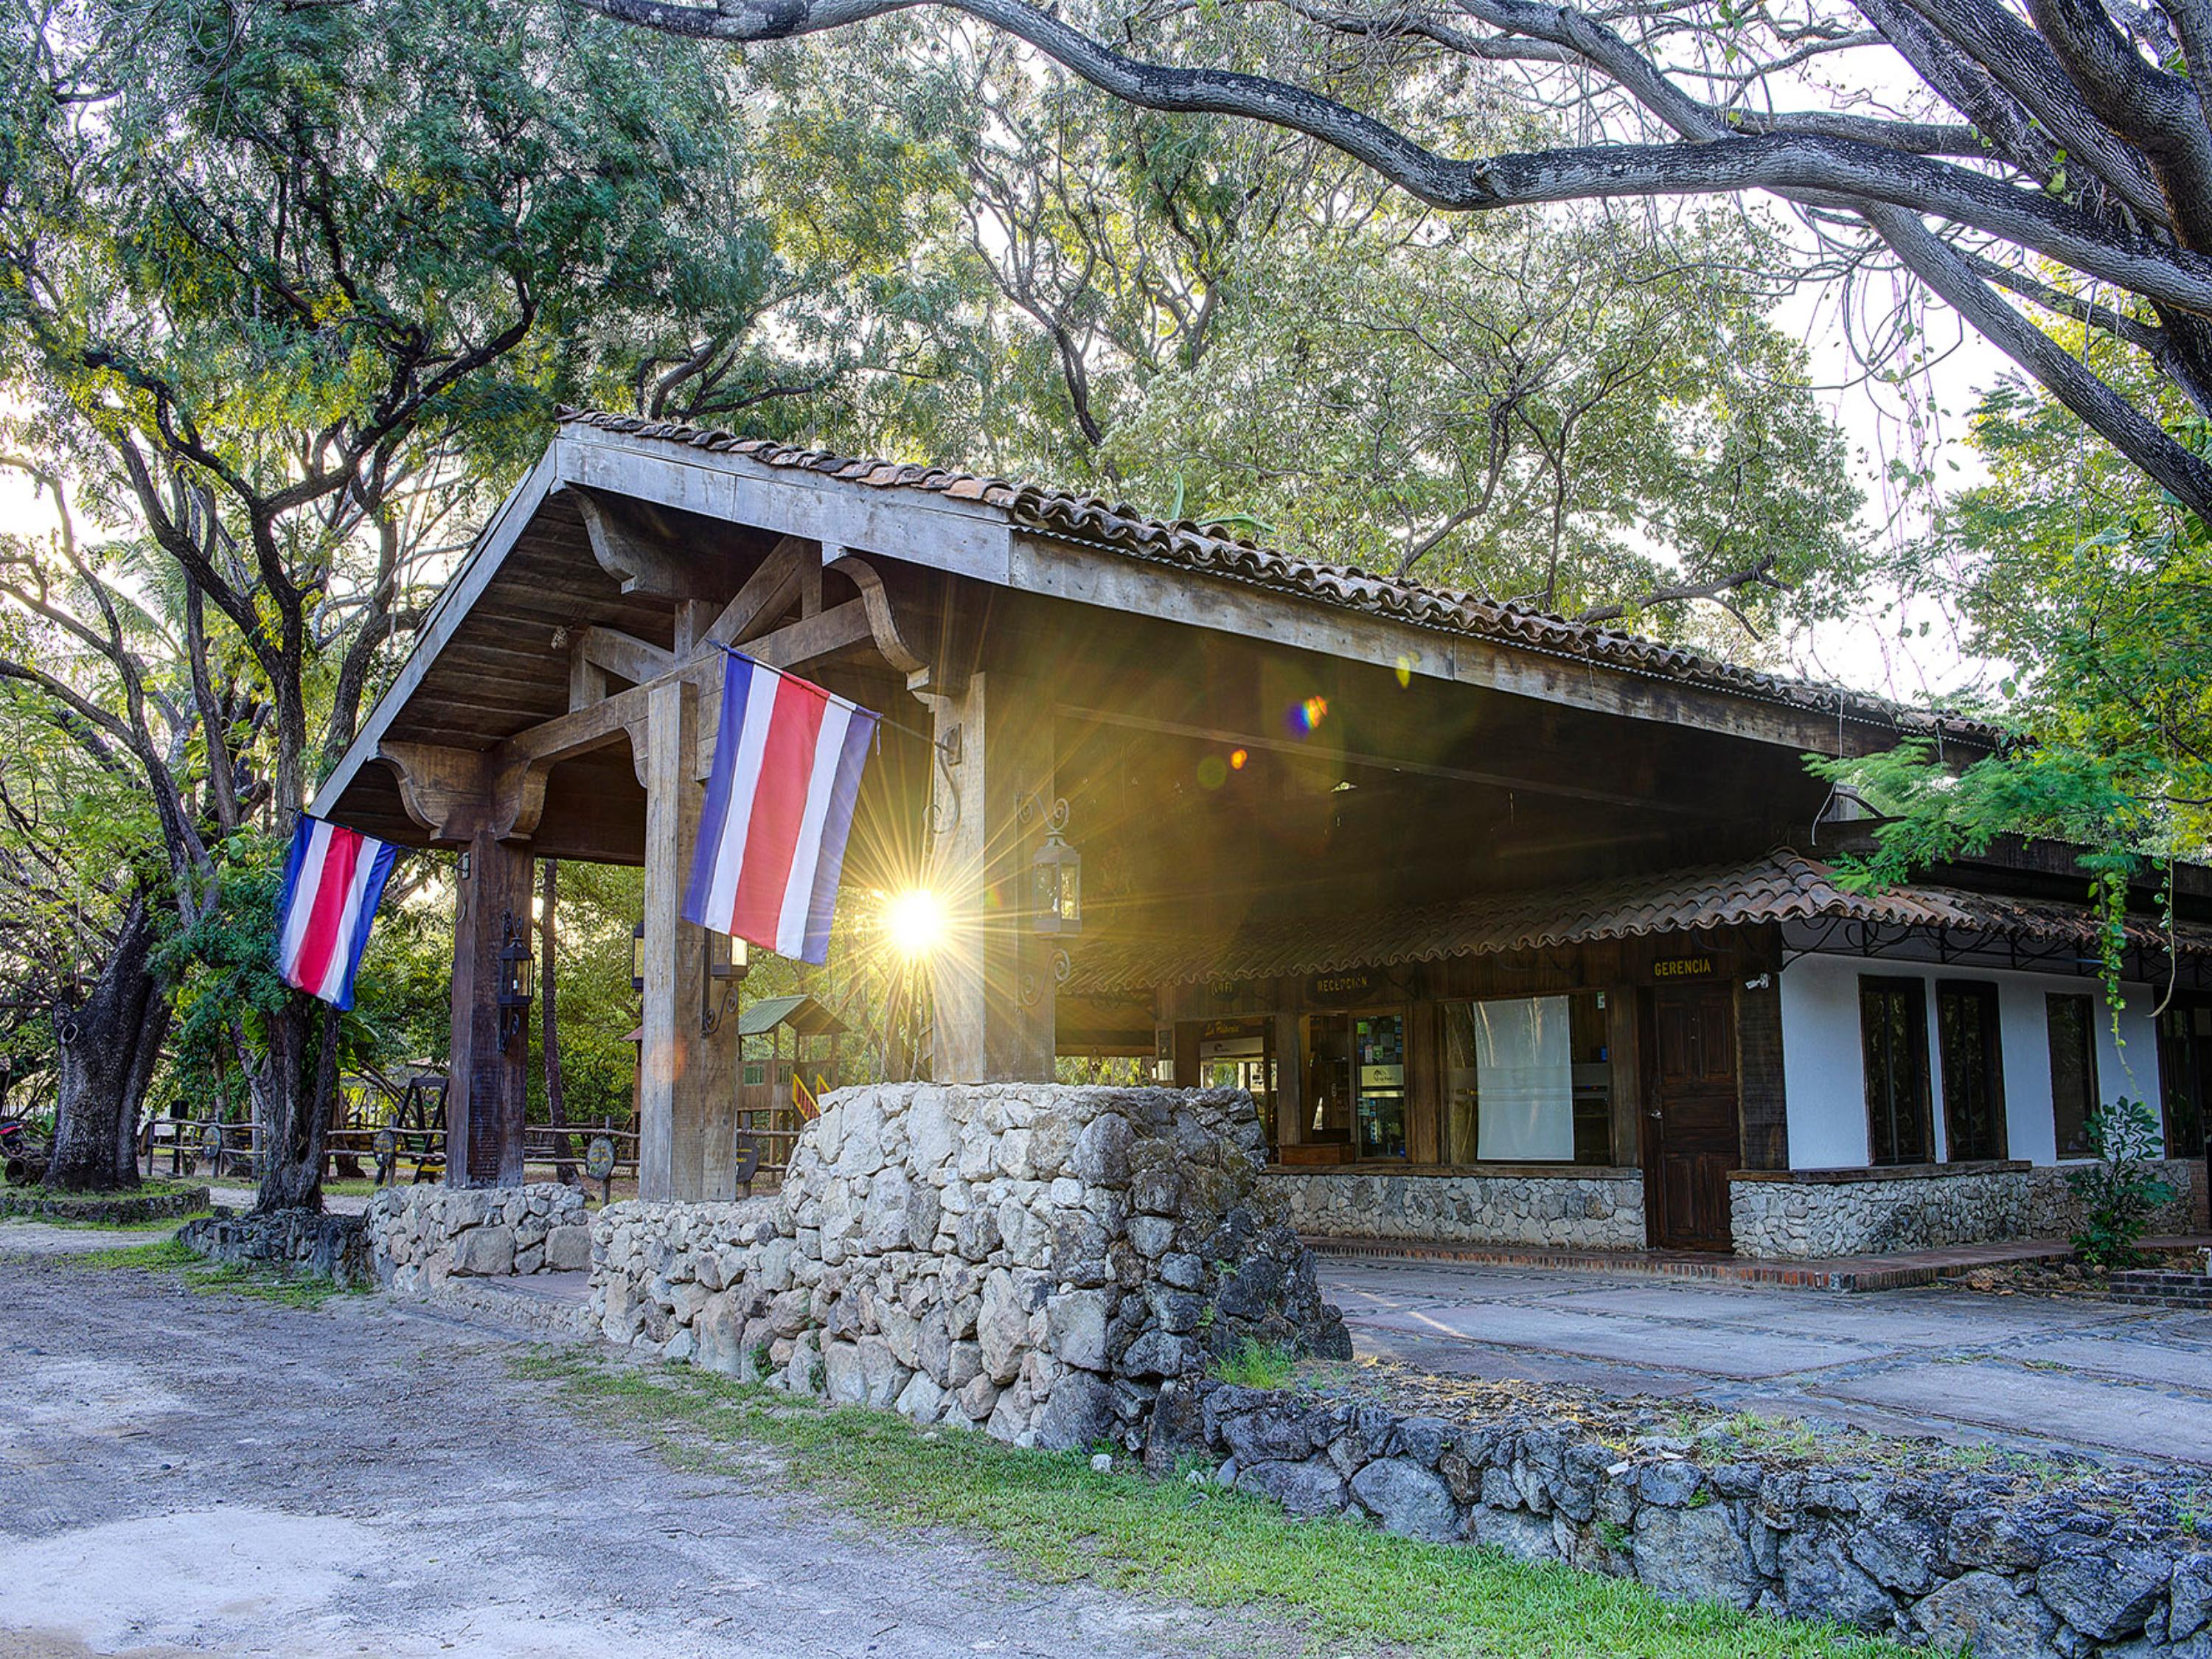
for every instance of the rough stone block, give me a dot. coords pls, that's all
(483, 1252)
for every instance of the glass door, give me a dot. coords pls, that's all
(1378, 1045)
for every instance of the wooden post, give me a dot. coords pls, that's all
(484, 1090)
(1289, 1079)
(993, 984)
(687, 1104)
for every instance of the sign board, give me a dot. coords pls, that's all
(1683, 968)
(1349, 985)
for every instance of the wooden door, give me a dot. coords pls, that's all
(1693, 1138)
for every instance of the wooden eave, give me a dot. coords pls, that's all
(489, 663)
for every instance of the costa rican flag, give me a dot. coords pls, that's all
(333, 877)
(780, 799)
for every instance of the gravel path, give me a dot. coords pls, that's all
(182, 1472)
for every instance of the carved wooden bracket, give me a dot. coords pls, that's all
(458, 794)
(635, 546)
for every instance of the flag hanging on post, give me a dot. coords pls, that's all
(779, 801)
(333, 877)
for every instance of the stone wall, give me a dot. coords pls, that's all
(419, 1236)
(1811, 1214)
(334, 1247)
(2053, 1211)
(1600, 1209)
(1030, 1260)
(1958, 1558)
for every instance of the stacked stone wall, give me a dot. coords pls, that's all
(420, 1236)
(1028, 1259)
(1959, 1559)
(1799, 1219)
(2053, 1211)
(334, 1247)
(1601, 1211)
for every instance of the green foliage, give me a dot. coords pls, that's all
(2118, 1193)
(2096, 590)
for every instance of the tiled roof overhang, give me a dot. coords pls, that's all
(1213, 550)
(1784, 887)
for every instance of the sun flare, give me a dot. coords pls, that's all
(915, 922)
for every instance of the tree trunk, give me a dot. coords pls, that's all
(293, 1084)
(106, 1053)
(557, 1105)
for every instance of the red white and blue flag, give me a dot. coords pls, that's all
(779, 801)
(333, 877)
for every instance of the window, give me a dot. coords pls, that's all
(1528, 1080)
(2069, 1019)
(1973, 1070)
(2185, 1065)
(1894, 1030)
(1355, 1066)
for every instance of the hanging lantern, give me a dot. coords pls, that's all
(517, 972)
(1056, 883)
(637, 957)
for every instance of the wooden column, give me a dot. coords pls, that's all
(687, 1079)
(993, 984)
(1289, 1079)
(484, 1089)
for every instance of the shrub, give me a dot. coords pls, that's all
(2118, 1192)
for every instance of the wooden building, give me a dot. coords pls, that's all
(1526, 925)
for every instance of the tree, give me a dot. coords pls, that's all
(2095, 589)
(1556, 415)
(2065, 158)
(287, 291)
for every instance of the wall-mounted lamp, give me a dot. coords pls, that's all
(517, 972)
(1056, 874)
(637, 957)
(724, 961)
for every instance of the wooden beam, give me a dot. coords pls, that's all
(768, 591)
(1321, 753)
(625, 655)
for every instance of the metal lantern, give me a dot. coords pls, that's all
(517, 972)
(725, 963)
(637, 957)
(1056, 883)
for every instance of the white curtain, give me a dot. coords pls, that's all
(1524, 1080)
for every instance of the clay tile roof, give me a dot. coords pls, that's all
(1783, 886)
(1217, 550)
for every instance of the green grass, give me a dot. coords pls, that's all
(286, 1289)
(1345, 1585)
(1257, 1365)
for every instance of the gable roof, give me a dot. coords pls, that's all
(1214, 550)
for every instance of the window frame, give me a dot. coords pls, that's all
(1597, 998)
(2051, 1000)
(1990, 1063)
(1913, 992)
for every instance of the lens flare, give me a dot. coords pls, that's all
(1304, 717)
(915, 923)
(1236, 759)
(1211, 774)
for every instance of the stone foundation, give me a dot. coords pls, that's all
(420, 1236)
(1803, 1215)
(2053, 1211)
(110, 1209)
(1029, 1259)
(1597, 1209)
(334, 1247)
(1955, 1560)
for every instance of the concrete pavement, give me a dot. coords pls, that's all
(2025, 1371)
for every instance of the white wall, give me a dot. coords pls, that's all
(1824, 1070)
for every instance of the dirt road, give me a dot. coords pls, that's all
(186, 1471)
